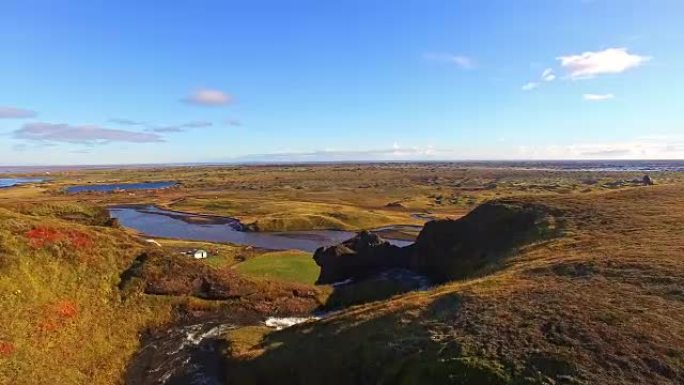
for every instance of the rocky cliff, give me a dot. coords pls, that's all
(444, 249)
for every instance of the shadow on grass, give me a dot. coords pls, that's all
(392, 348)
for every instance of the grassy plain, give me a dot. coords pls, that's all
(346, 196)
(290, 266)
(601, 304)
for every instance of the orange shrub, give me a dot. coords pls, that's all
(6, 349)
(56, 315)
(42, 236)
(65, 309)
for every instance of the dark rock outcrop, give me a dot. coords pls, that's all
(445, 249)
(452, 249)
(647, 181)
(358, 257)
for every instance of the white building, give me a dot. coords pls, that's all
(199, 254)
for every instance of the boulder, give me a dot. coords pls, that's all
(647, 181)
(358, 257)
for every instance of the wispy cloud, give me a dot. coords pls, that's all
(460, 61)
(16, 113)
(126, 122)
(393, 153)
(530, 86)
(548, 75)
(181, 127)
(609, 61)
(88, 134)
(597, 97)
(233, 122)
(208, 97)
(660, 147)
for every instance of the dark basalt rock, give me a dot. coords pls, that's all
(453, 249)
(444, 249)
(358, 257)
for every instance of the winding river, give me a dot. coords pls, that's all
(157, 222)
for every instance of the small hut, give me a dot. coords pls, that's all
(199, 254)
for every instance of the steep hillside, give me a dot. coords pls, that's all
(600, 303)
(77, 293)
(62, 319)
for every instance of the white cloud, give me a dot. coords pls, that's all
(208, 97)
(89, 134)
(16, 113)
(394, 153)
(610, 61)
(661, 147)
(653, 147)
(548, 75)
(461, 61)
(597, 97)
(530, 86)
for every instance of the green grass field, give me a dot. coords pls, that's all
(291, 266)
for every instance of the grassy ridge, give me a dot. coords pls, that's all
(61, 319)
(263, 214)
(600, 305)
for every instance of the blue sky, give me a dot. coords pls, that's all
(101, 82)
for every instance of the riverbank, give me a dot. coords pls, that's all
(156, 222)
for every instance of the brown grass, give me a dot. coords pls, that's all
(601, 305)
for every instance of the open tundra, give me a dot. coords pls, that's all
(524, 282)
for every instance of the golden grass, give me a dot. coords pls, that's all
(62, 320)
(266, 214)
(600, 305)
(603, 303)
(220, 254)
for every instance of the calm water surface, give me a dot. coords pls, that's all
(156, 222)
(119, 186)
(9, 182)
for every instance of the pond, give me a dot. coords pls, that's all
(119, 187)
(9, 182)
(156, 222)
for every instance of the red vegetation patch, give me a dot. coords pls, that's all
(42, 236)
(65, 309)
(6, 349)
(57, 315)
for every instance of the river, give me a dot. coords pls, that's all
(157, 222)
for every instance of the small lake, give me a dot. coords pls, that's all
(119, 187)
(9, 182)
(155, 222)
